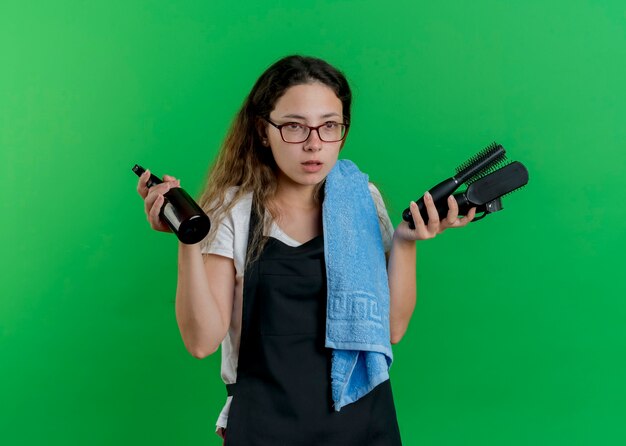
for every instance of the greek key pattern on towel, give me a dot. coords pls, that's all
(348, 306)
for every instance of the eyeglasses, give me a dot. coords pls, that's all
(294, 132)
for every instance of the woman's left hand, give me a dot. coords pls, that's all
(435, 226)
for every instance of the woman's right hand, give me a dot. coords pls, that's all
(153, 199)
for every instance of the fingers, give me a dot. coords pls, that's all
(154, 200)
(433, 215)
(424, 231)
(471, 214)
(153, 213)
(453, 211)
(469, 217)
(418, 221)
(158, 189)
(142, 184)
(154, 192)
(142, 188)
(153, 204)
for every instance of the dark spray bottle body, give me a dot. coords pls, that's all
(181, 213)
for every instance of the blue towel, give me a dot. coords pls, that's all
(357, 324)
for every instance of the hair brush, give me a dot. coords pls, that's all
(485, 194)
(479, 165)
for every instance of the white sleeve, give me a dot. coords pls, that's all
(386, 227)
(223, 242)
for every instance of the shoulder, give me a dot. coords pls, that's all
(229, 223)
(235, 193)
(374, 191)
(235, 201)
(377, 197)
(242, 199)
(386, 227)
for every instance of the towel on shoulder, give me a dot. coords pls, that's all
(357, 321)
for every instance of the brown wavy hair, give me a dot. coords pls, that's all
(243, 160)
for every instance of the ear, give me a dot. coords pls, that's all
(261, 127)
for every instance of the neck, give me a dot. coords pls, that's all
(296, 195)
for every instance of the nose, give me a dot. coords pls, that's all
(313, 142)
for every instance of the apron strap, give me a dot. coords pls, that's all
(230, 389)
(254, 222)
(255, 219)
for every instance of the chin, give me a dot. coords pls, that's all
(307, 179)
(312, 181)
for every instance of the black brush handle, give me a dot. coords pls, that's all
(462, 200)
(440, 194)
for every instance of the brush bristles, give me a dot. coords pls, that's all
(484, 162)
(514, 190)
(498, 165)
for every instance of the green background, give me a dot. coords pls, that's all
(518, 337)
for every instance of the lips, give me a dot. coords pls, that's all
(312, 166)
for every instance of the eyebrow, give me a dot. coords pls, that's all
(294, 116)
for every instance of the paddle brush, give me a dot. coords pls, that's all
(479, 165)
(485, 194)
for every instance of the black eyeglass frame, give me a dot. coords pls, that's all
(280, 130)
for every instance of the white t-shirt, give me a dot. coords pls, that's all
(231, 240)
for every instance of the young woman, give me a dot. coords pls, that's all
(265, 197)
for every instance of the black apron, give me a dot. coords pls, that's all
(282, 396)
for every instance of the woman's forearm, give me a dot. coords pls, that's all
(200, 321)
(402, 286)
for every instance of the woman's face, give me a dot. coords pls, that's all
(306, 163)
